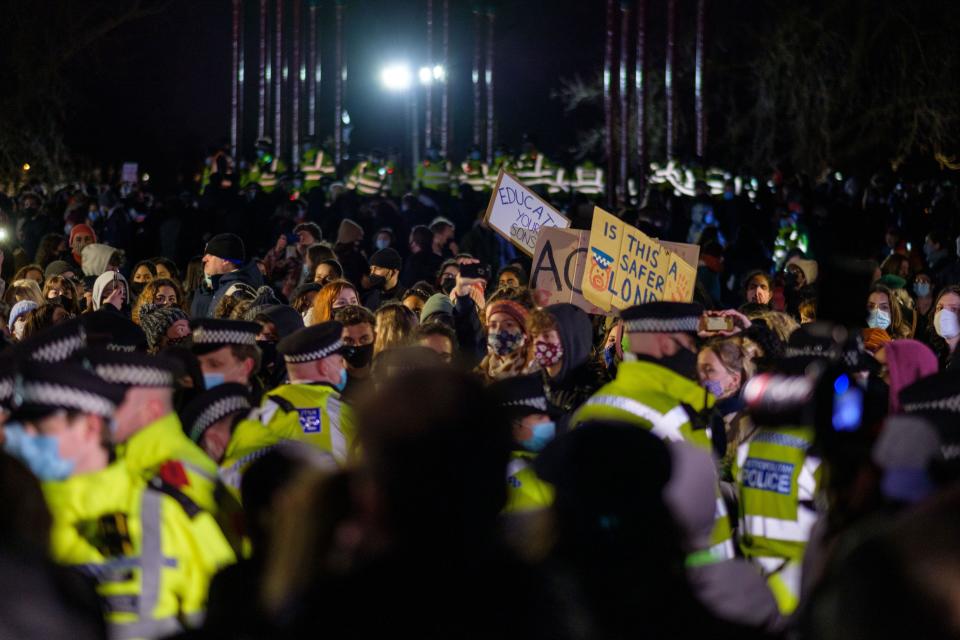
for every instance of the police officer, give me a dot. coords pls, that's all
(524, 401)
(209, 419)
(316, 164)
(433, 172)
(778, 478)
(227, 351)
(371, 176)
(474, 172)
(147, 433)
(658, 390)
(150, 550)
(308, 410)
(265, 169)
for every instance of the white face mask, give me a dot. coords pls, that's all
(946, 323)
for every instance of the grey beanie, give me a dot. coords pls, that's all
(437, 303)
(155, 320)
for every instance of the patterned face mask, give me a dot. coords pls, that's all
(504, 342)
(547, 354)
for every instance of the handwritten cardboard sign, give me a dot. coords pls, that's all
(626, 267)
(558, 265)
(518, 214)
(689, 252)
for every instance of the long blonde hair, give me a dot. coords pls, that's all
(394, 328)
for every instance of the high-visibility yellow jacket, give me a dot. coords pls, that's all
(150, 549)
(307, 413)
(162, 441)
(525, 490)
(657, 399)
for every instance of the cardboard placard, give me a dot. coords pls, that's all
(518, 214)
(626, 267)
(558, 265)
(689, 252)
(130, 172)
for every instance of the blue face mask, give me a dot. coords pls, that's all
(922, 289)
(40, 453)
(382, 243)
(211, 380)
(878, 319)
(340, 386)
(543, 433)
(610, 356)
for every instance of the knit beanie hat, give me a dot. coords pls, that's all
(510, 308)
(437, 303)
(226, 246)
(155, 320)
(349, 232)
(22, 307)
(57, 268)
(387, 259)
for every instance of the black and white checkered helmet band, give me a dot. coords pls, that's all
(59, 350)
(663, 325)
(133, 375)
(123, 348)
(530, 403)
(813, 351)
(61, 397)
(216, 411)
(223, 336)
(951, 404)
(310, 356)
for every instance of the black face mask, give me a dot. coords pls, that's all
(790, 280)
(268, 353)
(683, 362)
(136, 288)
(358, 356)
(377, 282)
(447, 284)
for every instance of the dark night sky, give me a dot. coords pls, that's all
(157, 90)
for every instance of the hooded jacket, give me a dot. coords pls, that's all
(205, 298)
(96, 258)
(105, 278)
(579, 376)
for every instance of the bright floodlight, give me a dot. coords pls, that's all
(396, 77)
(426, 77)
(439, 73)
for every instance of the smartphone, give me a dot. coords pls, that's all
(718, 323)
(292, 238)
(847, 404)
(474, 271)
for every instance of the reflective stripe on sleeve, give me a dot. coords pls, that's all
(338, 441)
(665, 427)
(785, 530)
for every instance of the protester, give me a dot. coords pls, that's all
(509, 350)
(394, 327)
(334, 295)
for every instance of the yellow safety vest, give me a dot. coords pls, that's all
(150, 550)
(525, 490)
(308, 413)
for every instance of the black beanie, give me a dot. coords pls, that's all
(386, 259)
(226, 246)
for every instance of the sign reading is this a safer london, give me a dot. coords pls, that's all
(626, 267)
(518, 214)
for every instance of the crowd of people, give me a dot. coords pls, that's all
(245, 414)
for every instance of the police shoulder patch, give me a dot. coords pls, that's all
(310, 420)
